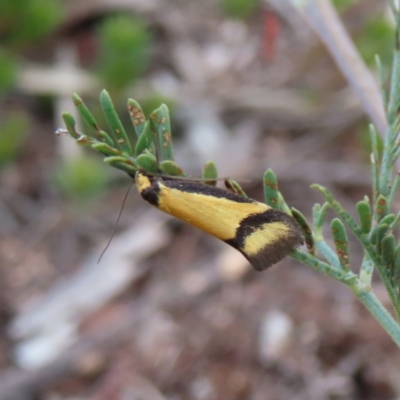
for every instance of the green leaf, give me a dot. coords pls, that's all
(145, 140)
(396, 221)
(365, 216)
(380, 232)
(341, 242)
(88, 117)
(319, 217)
(375, 162)
(234, 187)
(271, 192)
(171, 168)
(389, 219)
(388, 247)
(148, 162)
(106, 149)
(137, 116)
(131, 163)
(70, 124)
(381, 207)
(115, 123)
(210, 173)
(160, 124)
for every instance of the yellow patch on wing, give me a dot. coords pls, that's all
(217, 216)
(266, 234)
(142, 181)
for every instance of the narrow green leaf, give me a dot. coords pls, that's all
(234, 187)
(395, 154)
(88, 117)
(396, 221)
(148, 162)
(381, 75)
(378, 232)
(124, 167)
(105, 137)
(170, 167)
(70, 124)
(343, 214)
(355, 228)
(374, 142)
(389, 219)
(394, 189)
(137, 116)
(374, 163)
(87, 140)
(271, 193)
(341, 242)
(381, 232)
(388, 247)
(115, 123)
(365, 216)
(394, 95)
(160, 124)
(282, 204)
(122, 160)
(145, 140)
(322, 215)
(106, 149)
(210, 173)
(316, 211)
(381, 207)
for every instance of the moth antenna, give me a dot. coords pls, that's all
(116, 222)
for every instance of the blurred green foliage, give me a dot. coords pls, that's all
(125, 49)
(239, 8)
(23, 22)
(377, 38)
(8, 71)
(26, 21)
(343, 5)
(13, 128)
(82, 179)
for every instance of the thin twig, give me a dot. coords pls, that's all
(324, 20)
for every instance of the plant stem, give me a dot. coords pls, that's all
(375, 307)
(327, 253)
(367, 269)
(321, 266)
(361, 290)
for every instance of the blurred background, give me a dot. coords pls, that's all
(169, 312)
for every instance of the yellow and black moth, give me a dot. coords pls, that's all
(262, 234)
